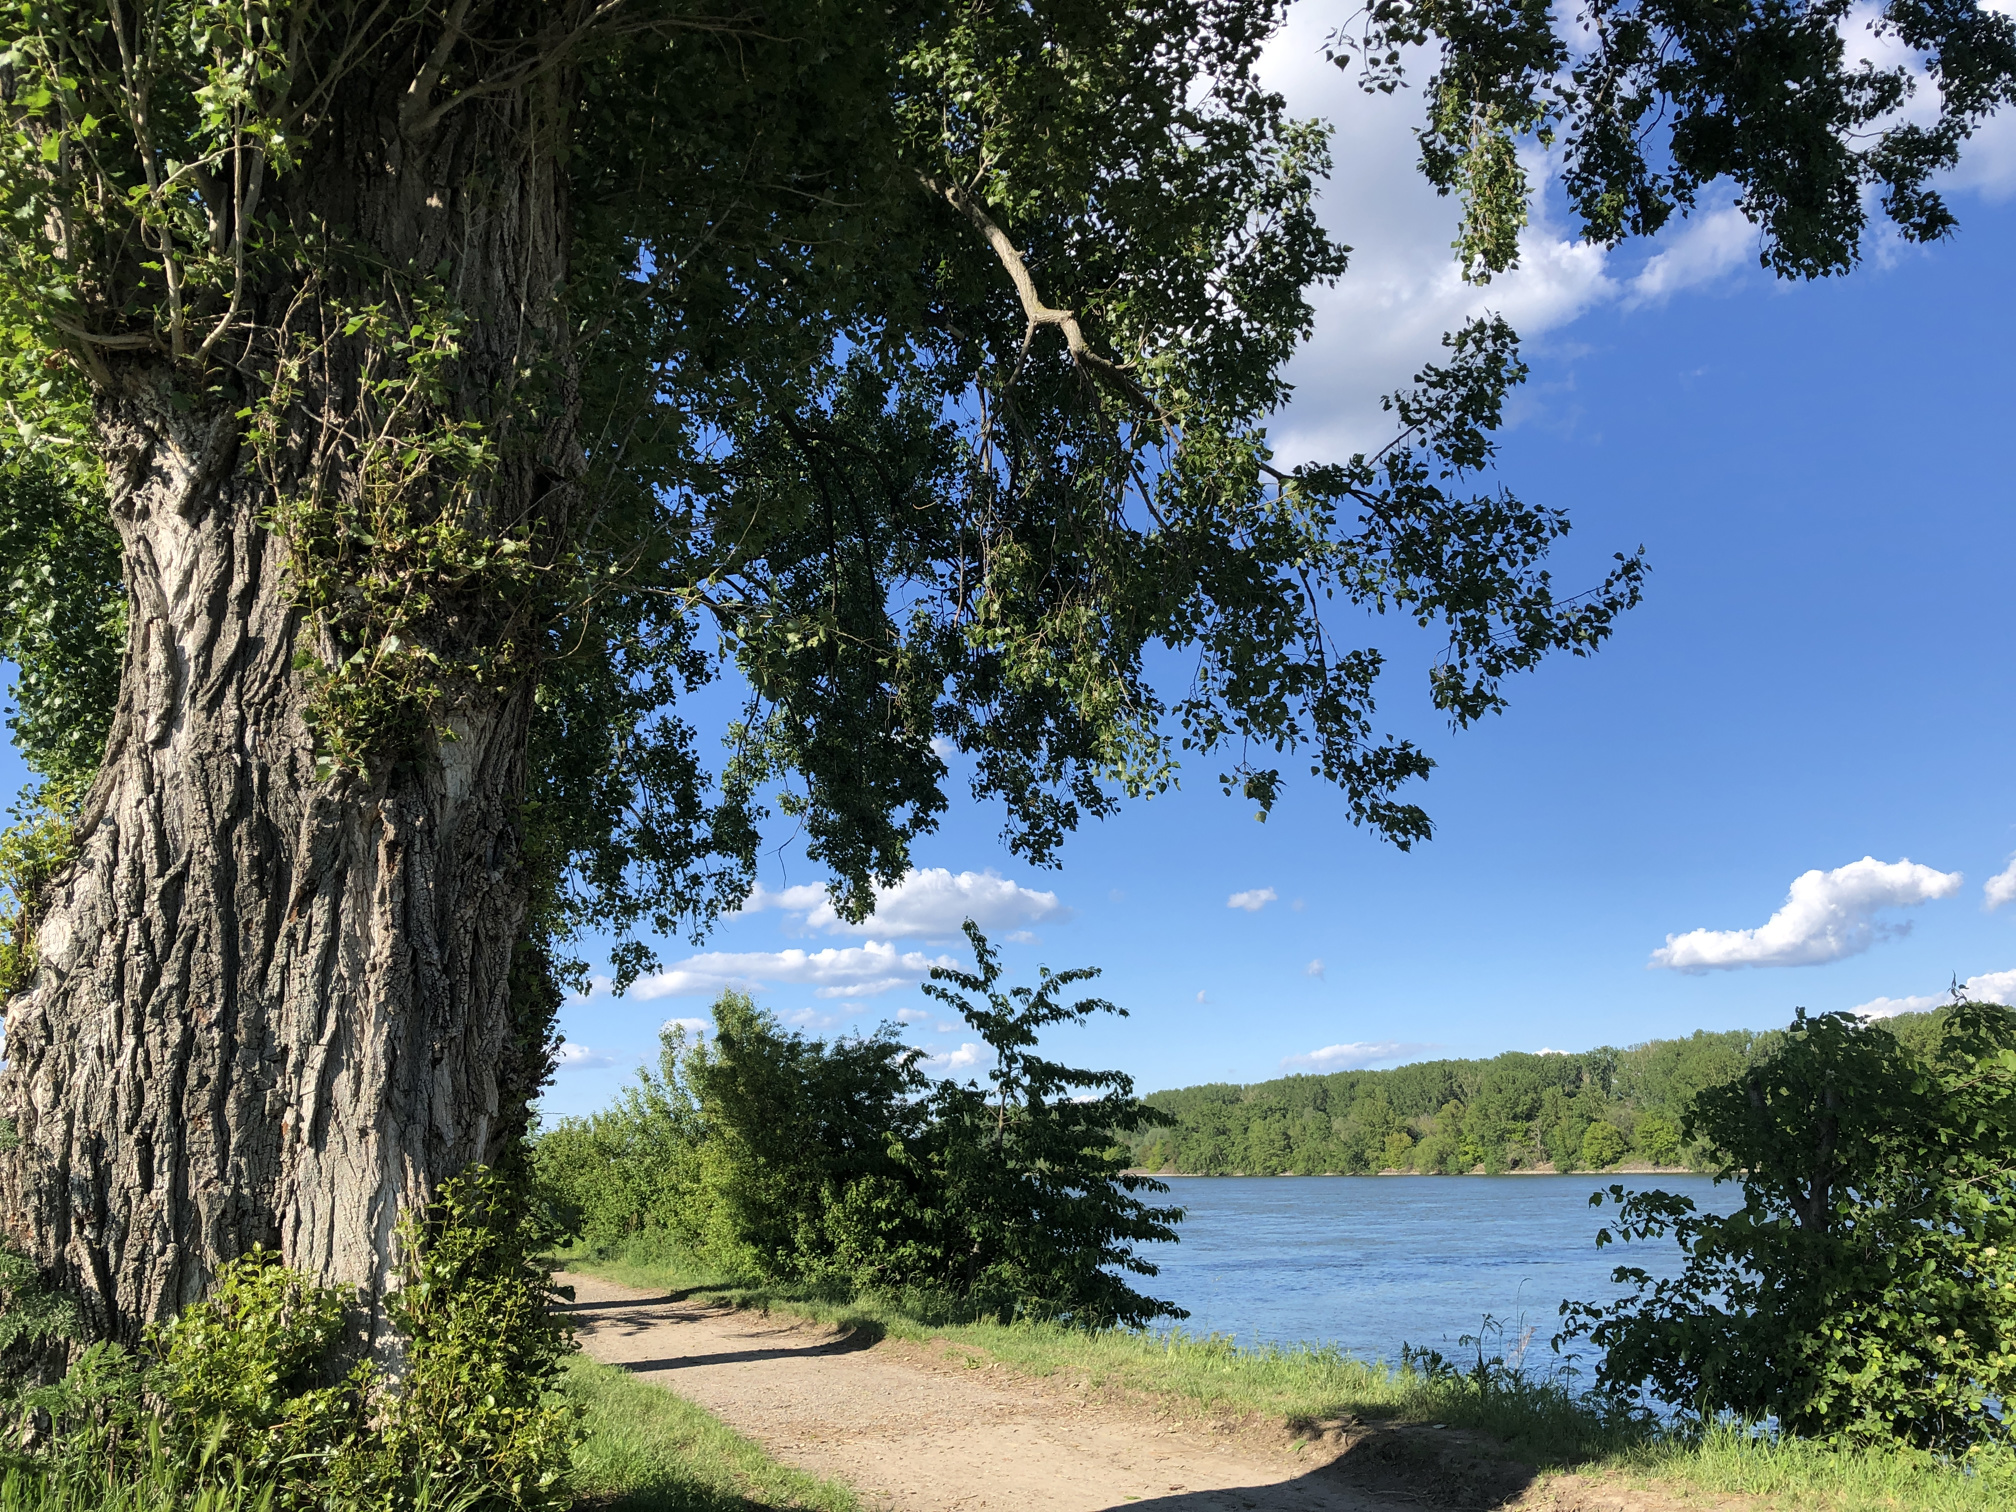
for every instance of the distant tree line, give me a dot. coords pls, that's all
(1514, 1112)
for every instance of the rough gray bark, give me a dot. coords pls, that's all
(269, 1009)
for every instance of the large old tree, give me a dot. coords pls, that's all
(410, 401)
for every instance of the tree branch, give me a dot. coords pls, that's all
(421, 91)
(1033, 307)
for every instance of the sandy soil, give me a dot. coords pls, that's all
(918, 1428)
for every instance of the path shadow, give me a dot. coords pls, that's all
(848, 1343)
(1406, 1467)
(655, 1301)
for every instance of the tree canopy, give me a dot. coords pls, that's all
(919, 357)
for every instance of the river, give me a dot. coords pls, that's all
(1371, 1262)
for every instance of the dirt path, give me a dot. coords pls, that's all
(911, 1432)
(911, 1438)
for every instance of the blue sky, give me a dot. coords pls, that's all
(1821, 672)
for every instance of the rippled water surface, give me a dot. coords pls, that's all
(1371, 1262)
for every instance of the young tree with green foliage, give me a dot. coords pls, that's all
(465, 384)
(1866, 1289)
(778, 1157)
(1042, 1214)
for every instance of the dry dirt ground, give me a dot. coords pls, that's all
(927, 1428)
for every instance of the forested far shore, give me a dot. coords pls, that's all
(1591, 1111)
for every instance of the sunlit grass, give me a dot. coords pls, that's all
(647, 1450)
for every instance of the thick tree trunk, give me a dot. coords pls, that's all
(270, 1009)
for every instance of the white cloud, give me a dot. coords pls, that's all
(1992, 987)
(1200, 996)
(1700, 252)
(967, 1055)
(929, 902)
(1252, 900)
(573, 1057)
(1349, 1057)
(912, 1015)
(850, 971)
(1987, 987)
(1889, 1007)
(1314, 968)
(690, 1025)
(2001, 887)
(1384, 319)
(800, 899)
(1827, 915)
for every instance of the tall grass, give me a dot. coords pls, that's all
(99, 1472)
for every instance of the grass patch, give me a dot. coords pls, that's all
(1797, 1473)
(650, 1451)
(1304, 1389)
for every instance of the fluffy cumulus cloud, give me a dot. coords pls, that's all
(1384, 319)
(2001, 887)
(1314, 968)
(1700, 252)
(852, 971)
(573, 1057)
(929, 902)
(1988, 987)
(964, 1058)
(1348, 1057)
(1252, 900)
(1827, 915)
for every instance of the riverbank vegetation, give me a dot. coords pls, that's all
(1509, 1395)
(772, 1156)
(1860, 1304)
(1588, 1111)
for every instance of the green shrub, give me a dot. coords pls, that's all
(476, 1409)
(1658, 1139)
(242, 1400)
(241, 1376)
(1865, 1292)
(777, 1158)
(1603, 1145)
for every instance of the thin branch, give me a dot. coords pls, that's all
(1037, 312)
(421, 90)
(131, 341)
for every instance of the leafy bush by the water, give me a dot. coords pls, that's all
(1866, 1289)
(243, 1400)
(771, 1156)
